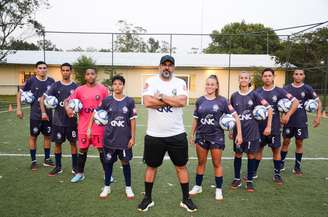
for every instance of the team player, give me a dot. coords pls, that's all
(272, 95)
(297, 125)
(119, 136)
(91, 95)
(209, 135)
(63, 127)
(244, 101)
(38, 85)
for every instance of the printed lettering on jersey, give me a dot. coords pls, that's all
(208, 120)
(118, 122)
(167, 109)
(246, 115)
(88, 110)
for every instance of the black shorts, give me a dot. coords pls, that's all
(273, 141)
(247, 147)
(60, 134)
(156, 147)
(111, 155)
(37, 126)
(297, 132)
(209, 144)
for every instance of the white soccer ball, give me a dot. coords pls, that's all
(75, 105)
(227, 122)
(260, 112)
(284, 105)
(101, 117)
(27, 97)
(50, 102)
(311, 105)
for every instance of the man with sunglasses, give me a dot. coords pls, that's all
(38, 85)
(297, 125)
(165, 95)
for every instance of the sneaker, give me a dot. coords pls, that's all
(105, 192)
(196, 190)
(282, 166)
(48, 163)
(74, 171)
(188, 205)
(277, 179)
(236, 183)
(78, 178)
(129, 193)
(218, 194)
(249, 186)
(145, 204)
(55, 171)
(34, 166)
(297, 172)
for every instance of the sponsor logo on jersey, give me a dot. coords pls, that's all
(208, 120)
(246, 115)
(118, 122)
(166, 109)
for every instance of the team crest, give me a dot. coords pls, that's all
(48, 87)
(274, 98)
(125, 110)
(35, 130)
(72, 91)
(84, 140)
(174, 92)
(303, 94)
(58, 92)
(250, 102)
(215, 108)
(97, 97)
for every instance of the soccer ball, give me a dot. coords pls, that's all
(227, 122)
(284, 105)
(50, 102)
(27, 97)
(260, 112)
(76, 105)
(311, 105)
(101, 117)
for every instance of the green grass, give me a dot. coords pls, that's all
(26, 193)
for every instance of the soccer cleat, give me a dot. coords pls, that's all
(129, 193)
(196, 190)
(78, 178)
(277, 179)
(188, 205)
(34, 166)
(297, 172)
(74, 171)
(249, 186)
(218, 194)
(255, 176)
(48, 163)
(282, 166)
(236, 183)
(145, 204)
(55, 171)
(105, 192)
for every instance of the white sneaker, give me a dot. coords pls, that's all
(129, 193)
(196, 190)
(105, 192)
(218, 194)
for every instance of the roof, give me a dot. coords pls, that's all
(145, 59)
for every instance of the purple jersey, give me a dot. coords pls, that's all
(61, 92)
(244, 105)
(120, 113)
(208, 113)
(38, 88)
(272, 97)
(302, 94)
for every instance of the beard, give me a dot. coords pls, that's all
(166, 74)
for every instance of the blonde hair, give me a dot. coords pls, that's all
(249, 75)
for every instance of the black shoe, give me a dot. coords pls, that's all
(277, 179)
(48, 163)
(249, 186)
(34, 166)
(145, 204)
(188, 205)
(55, 171)
(236, 183)
(282, 166)
(297, 172)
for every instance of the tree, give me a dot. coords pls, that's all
(80, 66)
(22, 45)
(153, 45)
(16, 15)
(48, 45)
(236, 38)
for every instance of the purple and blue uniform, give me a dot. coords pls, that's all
(63, 126)
(118, 130)
(38, 88)
(209, 134)
(244, 105)
(297, 125)
(272, 97)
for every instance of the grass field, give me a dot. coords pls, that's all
(26, 193)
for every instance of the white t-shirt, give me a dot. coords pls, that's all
(166, 121)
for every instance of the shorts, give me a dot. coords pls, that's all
(273, 141)
(156, 147)
(297, 132)
(37, 126)
(60, 134)
(95, 140)
(209, 144)
(111, 155)
(247, 147)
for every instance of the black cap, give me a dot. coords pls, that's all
(167, 58)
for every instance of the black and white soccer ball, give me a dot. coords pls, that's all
(75, 105)
(101, 117)
(284, 105)
(311, 105)
(260, 112)
(227, 122)
(50, 102)
(27, 97)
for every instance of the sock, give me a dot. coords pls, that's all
(283, 155)
(46, 153)
(237, 166)
(33, 154)
(185, 190)
(74, 161)
(148, 189)
(250, 169)
(58, 159)
(298, 159)
(218, 181)
(257, 164)
(277, 166)
(108, 172)
(101, 157)
(127, 174)
(81, 159)
(199, 179)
